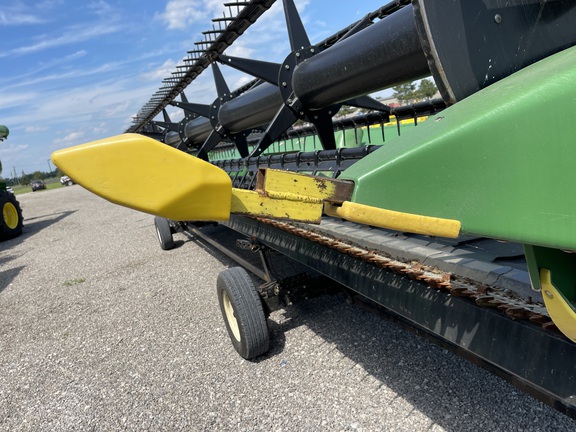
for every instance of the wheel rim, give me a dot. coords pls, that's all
(230, 317)
(10, 214)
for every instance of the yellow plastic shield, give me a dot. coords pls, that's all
(141, 173)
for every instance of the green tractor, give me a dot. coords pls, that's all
(11, 220)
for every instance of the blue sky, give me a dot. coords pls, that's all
(73, 72)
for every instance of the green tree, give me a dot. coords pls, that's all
(426, 89)
(409, 93)
(405, 93)
(25, 179)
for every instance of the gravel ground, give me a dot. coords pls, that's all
(102, 330)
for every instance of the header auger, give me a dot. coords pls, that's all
(493, 161)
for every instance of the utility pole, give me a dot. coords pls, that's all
(49, 167)
(14, 175)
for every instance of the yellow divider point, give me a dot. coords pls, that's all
(394, 220)
(560, 310)
(141, 173)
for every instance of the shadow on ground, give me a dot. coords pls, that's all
(31, 227)
(38, 223)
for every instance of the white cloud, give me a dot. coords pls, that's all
(9, 149)
(116, 109)
(176, 115)
(71, 74)
(100, 129)
(35, 129)
(245, 79)
(20, 81)
(8, 100)
(71, 138)
(179, 14)
(74, 35)
(101, 8)
(158, 74)
(95, 109)
(240, 49)
(14, 19)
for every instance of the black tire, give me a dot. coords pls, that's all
(69, 183)
(164, 233)
(11, 219)
(243, 314)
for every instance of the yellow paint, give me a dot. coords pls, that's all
(289, 196)
(141, 173)
(394, 122)
(560, 310)
(255, 204)
(297, 186)
(10, 215)
(394, 220)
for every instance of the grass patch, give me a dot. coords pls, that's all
(52, 183)
(74, 282)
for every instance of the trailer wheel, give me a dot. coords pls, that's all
(11, 217)
(164, 233)
(243, 314)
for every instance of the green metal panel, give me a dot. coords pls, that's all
(501, 161)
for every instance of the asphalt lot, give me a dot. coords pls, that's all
(102, 330)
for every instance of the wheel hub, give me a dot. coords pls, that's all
(231, 318)
(10, 215)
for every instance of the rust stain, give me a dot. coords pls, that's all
(321, 183)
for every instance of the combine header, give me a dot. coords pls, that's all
(463, 227)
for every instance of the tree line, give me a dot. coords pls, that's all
(411, 92)
(25, 179)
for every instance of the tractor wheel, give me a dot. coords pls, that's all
(11, 221)
(164, 233)
(242, 310)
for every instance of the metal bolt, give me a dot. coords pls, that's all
(497, 18)
(311, 50)
(287, 67)
(549, 294)
(284, 84)
(298, 55)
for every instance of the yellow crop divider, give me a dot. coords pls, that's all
(141, 173)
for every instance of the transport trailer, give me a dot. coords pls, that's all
(461, 227)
